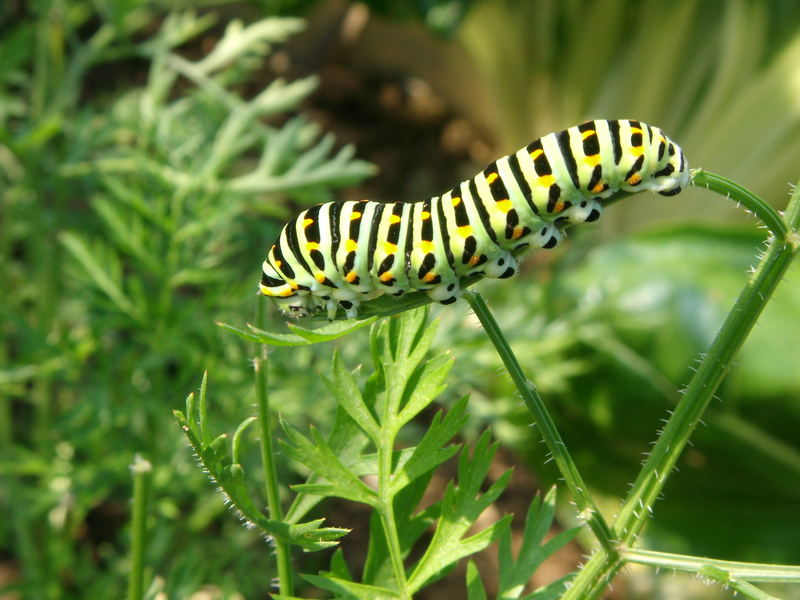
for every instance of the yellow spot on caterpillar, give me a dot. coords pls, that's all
(386, 276)
(351, 246)
(307, 222)
(547, 180)
(394, 219)
(474, 261)
(559, 206)
(312, 246)
(588, 133)
(637, 150)
(355, 215)
(465, 230)
(429, 277)
(537, 153)
(456, 200)
(598, 188)
(517, 233)
(504, 205)
(320, 277)
(293, 285)
(491, 178)
(426, 215)
(636, 130)
(427, 246)
(389, 247)
(350, 277)
(272, 293)
(634, 179)
(592, 160)
(279, 263)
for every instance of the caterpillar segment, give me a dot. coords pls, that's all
(340, 254)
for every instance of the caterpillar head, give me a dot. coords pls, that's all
(297, 306)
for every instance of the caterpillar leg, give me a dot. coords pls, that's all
(446, 292)
(502, 266)
(547, 236)
(585, 211)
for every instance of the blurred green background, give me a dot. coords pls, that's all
(150, 151)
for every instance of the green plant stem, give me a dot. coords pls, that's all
(599, 570)
(580, 493)
(725, 187)
(141, 469)
(696, 564)
(282, 555)
(387, 515)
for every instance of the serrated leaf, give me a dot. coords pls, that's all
(430, 452)
(460, 509)
(344, 389)
(424, 386)
(515, 574)
(347, 440)
(318, 456)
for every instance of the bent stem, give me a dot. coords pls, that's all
(599, 570)
(282, 555)
(587, 509)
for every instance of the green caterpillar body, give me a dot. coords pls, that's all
(342, 253)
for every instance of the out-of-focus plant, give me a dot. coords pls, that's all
(132, 161)
(721, 77)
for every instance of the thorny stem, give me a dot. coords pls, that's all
(282, 555)
(696, 564)
(599, 570)
(530, 395)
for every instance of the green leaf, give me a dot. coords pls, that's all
(349, 589)
(266, 337)
(99, 274)
(460, 509)
(318, 456)
(430, 453)
(330, 331)
(475, 590)
(339, 568)
(425, 384)
(347, 441)
(302, 336)
(551, 591)
(514, 575)
(344, 389)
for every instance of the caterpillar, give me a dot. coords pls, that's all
(339, 254)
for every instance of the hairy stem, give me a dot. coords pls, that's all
(282, 555)
(696, 564)
(599, 570)
(588, 510)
